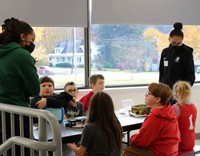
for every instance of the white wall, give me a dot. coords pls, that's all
(137, 95)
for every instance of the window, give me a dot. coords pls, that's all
(57, 48)
(124, 54)
(130, 54)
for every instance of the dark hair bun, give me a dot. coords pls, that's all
(7, 23)
(8, 20)
(178, 26)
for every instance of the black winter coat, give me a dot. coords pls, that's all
(176, 64)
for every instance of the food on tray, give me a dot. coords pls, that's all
(79, 123)
(140, 109)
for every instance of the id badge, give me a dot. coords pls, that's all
(166, 63)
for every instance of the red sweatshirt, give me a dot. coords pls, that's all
(187, 122)
(85, 100)
(159, 132)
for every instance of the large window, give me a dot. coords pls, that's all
(60, 54)
(124, 54)
(76, 38)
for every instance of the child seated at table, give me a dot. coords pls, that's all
(187, 114)
(75, 108)
(47, 97)
(97, 84)
(46, 90)
(159, 134)
(102, 133)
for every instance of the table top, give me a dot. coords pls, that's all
(72, 134)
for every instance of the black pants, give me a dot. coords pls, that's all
(16, 132)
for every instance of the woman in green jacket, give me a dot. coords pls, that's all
(18, 74)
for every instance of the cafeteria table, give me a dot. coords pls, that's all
(72, 134)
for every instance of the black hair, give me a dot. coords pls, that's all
(12, 29)
(177, 31)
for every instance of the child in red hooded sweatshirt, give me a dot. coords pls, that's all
(159, 134)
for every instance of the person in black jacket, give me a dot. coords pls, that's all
(176, 62)
(47, 97)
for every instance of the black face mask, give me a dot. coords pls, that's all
(175, 47)
(30, 47)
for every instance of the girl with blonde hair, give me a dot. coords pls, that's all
(187, 113)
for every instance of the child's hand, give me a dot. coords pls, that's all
(72, 102)
(42, 103)
(80, 151)
(71, 145)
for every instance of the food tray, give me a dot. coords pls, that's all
(75, 123)
(136, 115)
(140, 107)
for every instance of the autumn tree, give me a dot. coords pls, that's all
(162, 40)
(115, 42)
(191, 38)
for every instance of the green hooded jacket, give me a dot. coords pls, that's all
(18, 75)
